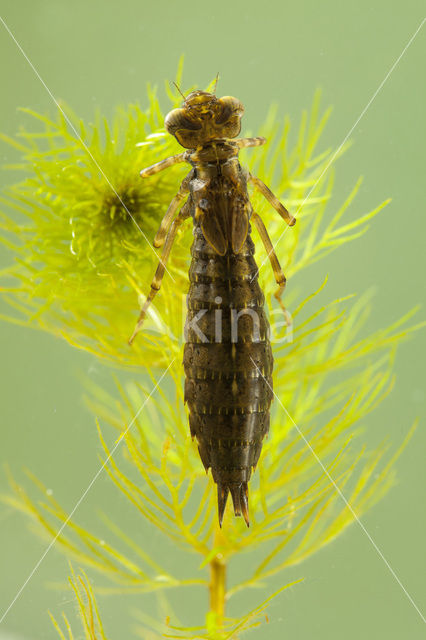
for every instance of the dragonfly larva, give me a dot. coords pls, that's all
(227, 356)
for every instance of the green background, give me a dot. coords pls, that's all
(98, 54)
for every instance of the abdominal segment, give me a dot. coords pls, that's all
(228, 367)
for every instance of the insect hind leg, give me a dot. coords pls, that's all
(161, 268)
(280, 278)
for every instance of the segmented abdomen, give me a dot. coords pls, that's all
(228, 366)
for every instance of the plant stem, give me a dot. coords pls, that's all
(217, 588)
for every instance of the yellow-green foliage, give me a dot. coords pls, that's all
(80, 265)
(87, 609)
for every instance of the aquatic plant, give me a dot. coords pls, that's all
(81, 263)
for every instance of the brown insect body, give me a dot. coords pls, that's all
(228, 397)
(227, 356)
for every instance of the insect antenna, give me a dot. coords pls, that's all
(215, 83)
(179, 90)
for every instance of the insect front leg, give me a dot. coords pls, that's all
(276, 267)
(273, 200)
(243, 143)
(160, 236)
(164, 164)
(158, 277)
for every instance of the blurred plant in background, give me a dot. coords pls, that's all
(81, 264)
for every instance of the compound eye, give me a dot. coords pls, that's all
(177, 119)
(230, 107)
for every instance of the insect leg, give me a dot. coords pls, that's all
(276, 267)
(164, 164)
(272, 198)
(249, 142)
(156, 282)
(160, 236)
